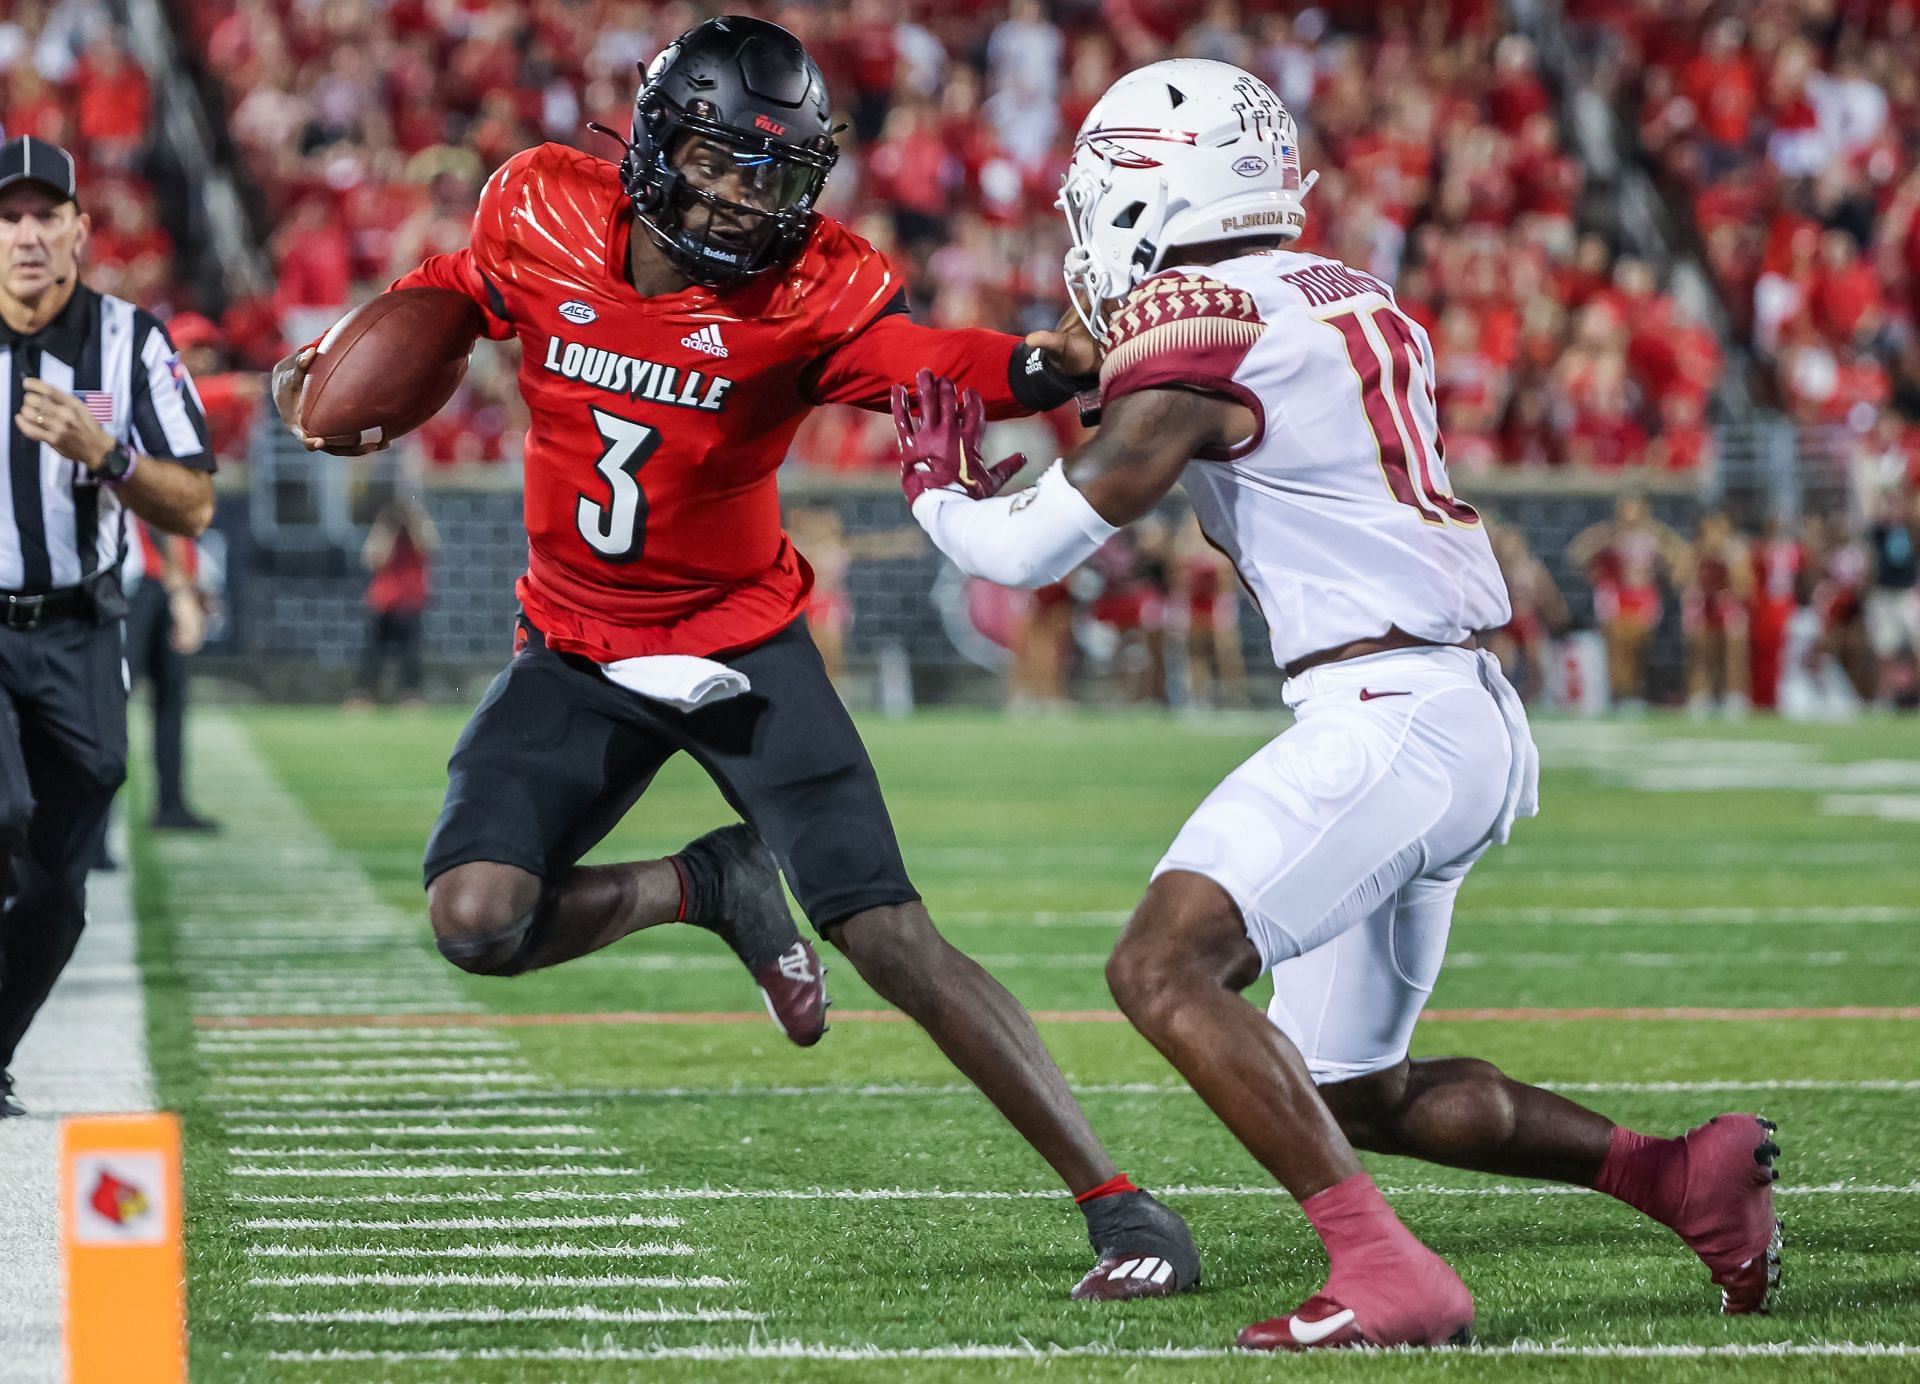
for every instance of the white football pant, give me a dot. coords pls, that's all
(1344, 841)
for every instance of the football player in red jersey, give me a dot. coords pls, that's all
(679, 314)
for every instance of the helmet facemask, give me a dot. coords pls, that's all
(1096, 271)
(723, 204)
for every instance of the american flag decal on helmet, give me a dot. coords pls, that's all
(99, 404)
(1289, 168)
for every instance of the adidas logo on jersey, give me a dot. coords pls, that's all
(706, 339)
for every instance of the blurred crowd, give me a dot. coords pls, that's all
(367, 130)
(1804, 618)
(67, 76)
(1787, 129)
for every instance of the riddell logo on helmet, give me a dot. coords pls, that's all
(1253, 219)
(772, 127)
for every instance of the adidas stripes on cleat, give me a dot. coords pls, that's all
(1145, 1250)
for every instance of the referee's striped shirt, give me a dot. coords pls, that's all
(59, 526)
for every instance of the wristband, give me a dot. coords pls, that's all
(1035, 383)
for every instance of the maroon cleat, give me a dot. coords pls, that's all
(795, 990)
(1422, 1303)
(1727, 1215)
(731, 886)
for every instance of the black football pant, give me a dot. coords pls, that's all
(150, 654)
(63, 754)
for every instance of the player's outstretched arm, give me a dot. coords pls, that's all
(1012, 377)
(1036, 537)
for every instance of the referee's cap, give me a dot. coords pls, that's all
(30, 160)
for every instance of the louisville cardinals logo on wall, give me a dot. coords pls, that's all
(119, 1198)
(118, 1201)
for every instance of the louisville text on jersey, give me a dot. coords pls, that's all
(634, 378)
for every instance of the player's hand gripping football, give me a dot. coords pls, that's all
(288, 376)
(940, 441)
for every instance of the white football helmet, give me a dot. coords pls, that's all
(1177, 153)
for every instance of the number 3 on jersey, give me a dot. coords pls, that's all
(617, 530)
(1384, 359)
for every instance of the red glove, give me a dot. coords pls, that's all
(940, 449)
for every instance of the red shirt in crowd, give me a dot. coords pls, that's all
(399, 585)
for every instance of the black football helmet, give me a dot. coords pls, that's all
(732, 142)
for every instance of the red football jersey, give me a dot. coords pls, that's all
(657, 424)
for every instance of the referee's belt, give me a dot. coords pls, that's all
(25, 610)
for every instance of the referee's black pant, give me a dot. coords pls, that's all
(63, 753)
(151, 655)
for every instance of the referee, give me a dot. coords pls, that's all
(99, 417)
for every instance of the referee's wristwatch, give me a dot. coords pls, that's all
(115, 466)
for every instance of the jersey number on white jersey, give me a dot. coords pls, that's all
(1384, 353)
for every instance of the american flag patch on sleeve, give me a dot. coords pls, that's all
(99, 403)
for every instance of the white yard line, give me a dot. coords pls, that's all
(444, 1171)
(358, 1047)
(795, 1351)
(1895, 807)
(1468, 915)
(466, 1223)
(1869, 1084)
(484, 1280)
(436, 1032)
(289, 1100)
(64, 1068)
(401, 1151)
(427, 1078)
(239, 1007)
(409, 1131)
(395, 1112)
(637, 1316)
(366, 1064)
(497, 1250)
(679, 1194)
(1176, 1088)
(1704, 915)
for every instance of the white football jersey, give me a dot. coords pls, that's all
(1337, 512)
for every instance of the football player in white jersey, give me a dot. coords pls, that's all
(1295, 402)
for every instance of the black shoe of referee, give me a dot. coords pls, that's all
(732, 887)
(9, 1107)
(180, 817)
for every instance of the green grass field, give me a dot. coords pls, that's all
(453, 1191)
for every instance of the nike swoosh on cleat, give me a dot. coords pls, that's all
(1367, 694)
(1312, 1333)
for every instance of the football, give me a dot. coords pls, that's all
(388, 366)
